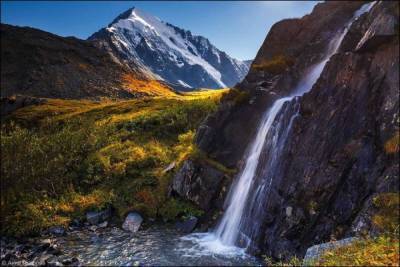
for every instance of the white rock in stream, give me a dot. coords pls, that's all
(132, 222)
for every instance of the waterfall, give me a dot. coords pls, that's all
(233, 221)
(239, 225)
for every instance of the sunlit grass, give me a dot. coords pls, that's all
(64, 157)
(147, 87)
(380, 251)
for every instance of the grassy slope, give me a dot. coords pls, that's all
(65, 157)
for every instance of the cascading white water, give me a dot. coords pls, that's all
(225, 236)
(229, 225)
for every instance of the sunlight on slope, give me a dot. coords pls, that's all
(88, 154)
(149, 88)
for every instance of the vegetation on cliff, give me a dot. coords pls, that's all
(381, 250)
(276, 65)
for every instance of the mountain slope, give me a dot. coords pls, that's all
(41, 64)
(173, 54)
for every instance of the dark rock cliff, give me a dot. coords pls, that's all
(335, 160)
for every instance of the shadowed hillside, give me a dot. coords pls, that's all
(40, 64)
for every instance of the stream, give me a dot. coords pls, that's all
(156, 245)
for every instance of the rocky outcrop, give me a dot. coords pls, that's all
(335, 158)
(199, 183)
(40, 64)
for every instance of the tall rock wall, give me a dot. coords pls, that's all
(336, 158)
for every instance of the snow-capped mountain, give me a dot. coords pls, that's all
(170, 53)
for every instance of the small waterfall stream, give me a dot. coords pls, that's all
(244, 196)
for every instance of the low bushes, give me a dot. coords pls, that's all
(380, 251)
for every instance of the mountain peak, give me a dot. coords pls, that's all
(170, 52)
(135, 17)
(124, 15)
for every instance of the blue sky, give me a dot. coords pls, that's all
(238, 28)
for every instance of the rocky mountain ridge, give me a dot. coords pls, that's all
(337, 157)
(170, 53)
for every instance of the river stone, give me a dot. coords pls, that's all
(76, 223)
(132, 222)
(71, 261)
(53, 261)
(96, 217)
(188, 225)
(103, 224)
(57, 230)
(314, 253)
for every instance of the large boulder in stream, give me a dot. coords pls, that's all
(335, 158)
(132, 222)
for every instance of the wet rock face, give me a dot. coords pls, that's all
(334, 160)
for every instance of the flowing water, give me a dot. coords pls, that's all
(239, 226)
(158, 245)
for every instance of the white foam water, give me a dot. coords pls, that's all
(223, 240)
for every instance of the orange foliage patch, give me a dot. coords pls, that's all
(147, 87)
(392, 145)
(147, 197)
